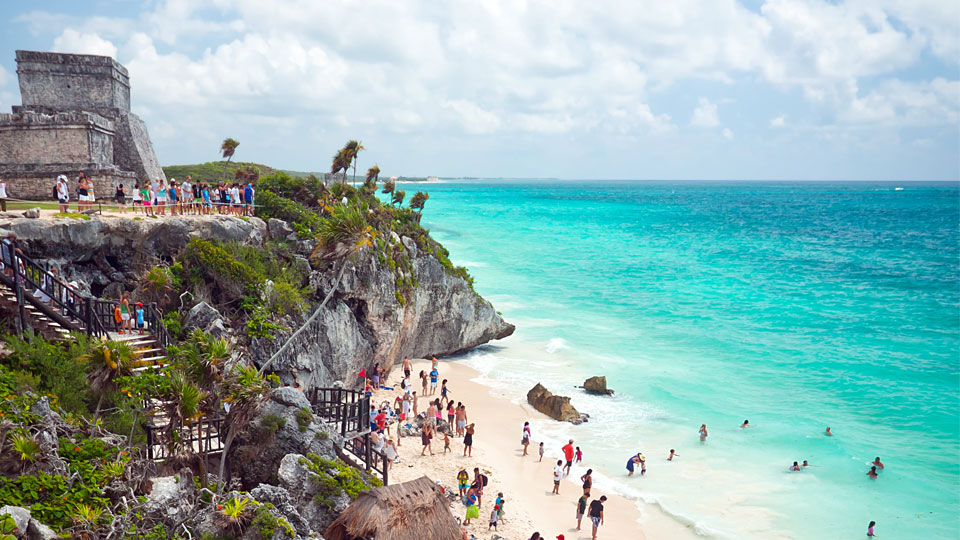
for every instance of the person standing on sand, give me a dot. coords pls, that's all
(525, 439)
(451, 415)
(672, 455)
(425, 435)
(494, 516)
(414, 400)
(473, 511)
(407, 367)
(444, 392)
(468, 440)
(463, 482)
(568, 455)
(541, 453)
(446, 442)
(557, 476)
(479, 482)
(423, 382)
(587, 480)
(434, 375)
(431, 414)
(703, 432)
(461, 415)
(596, 514)
(581, 509)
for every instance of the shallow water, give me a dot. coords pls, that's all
(796, 306)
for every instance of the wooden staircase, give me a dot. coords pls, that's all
(40, 323)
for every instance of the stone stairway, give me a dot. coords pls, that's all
(38, 321)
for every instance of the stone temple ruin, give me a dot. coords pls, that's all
(75, 118)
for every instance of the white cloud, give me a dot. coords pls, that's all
(778, 121)
(705, 114)
(727, 134)
(72, 41)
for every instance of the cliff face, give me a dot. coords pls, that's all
(363, 323)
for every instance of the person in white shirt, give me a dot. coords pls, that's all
(557, 476)
(137, 199)
(186, 196)
(63, 193)
(3, 195)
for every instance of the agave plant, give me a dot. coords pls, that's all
(235, 513)
(85, 514)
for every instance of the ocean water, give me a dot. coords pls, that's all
(794, 305)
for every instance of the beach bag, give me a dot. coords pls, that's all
(483, 479)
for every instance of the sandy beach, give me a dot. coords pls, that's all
(525, 483)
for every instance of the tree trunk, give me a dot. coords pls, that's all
(225, 165)
(231, 433)
(316, 312)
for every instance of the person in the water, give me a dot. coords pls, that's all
(795, 467)
(878, 463)
(872, 473)
(828, 433)
(745, 424)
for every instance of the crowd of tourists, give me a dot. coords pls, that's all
(158, 197)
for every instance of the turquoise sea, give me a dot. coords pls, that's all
(794, 305)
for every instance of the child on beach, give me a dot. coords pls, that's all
(557, 476)
(870, 527)
(446, 443)
(579, 455)
(473, 511)
(581, 509)
(541, 453)
(499, 502)
(494, 516)
(672, 455)
(463, 482)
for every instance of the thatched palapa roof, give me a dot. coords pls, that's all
(414, 509)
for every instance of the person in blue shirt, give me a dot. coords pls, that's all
(434, 374)
(248, 199)
(139, 314)
(205, 193)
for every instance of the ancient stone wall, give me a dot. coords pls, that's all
(132, 148)
(72, 81)
(37, 183)
(75, 137)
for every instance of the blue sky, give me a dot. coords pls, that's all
(713, 89)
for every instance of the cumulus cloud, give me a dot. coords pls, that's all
(778, 121)
(705, 114)
(73, 41)
(727, 134)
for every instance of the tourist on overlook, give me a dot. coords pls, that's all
(3, 195)
(120, 196)
(161, 196)
(82, 193)
(137, 199)
(248, 199)
(63, 193)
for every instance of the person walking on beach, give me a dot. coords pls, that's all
(557, 476)
(541, 453)
(596, 514)
(525, 439)
(587, 480)
(870, 533)
(703, 432)
(473, 511)
(494, 516)
(468, 440)
(407, 367)
(479, 482)
(444, 392)
(446, 442)
(581, 508)
(568, 455)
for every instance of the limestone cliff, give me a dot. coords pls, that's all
(364, 322)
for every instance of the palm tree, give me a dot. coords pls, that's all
(388, 187)
(243, 390)
(340, 237)
(341, 162)
(227, 149)
(398, 197)
(370, 185)
(417, 201)
(108, 360)
(353, 149)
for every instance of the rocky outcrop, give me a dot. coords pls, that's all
(27, 526)
(365, 322)
(556, 407)
(597, 385)
(205, 317)
(275, 432)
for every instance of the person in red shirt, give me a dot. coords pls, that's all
(568, 455)
(381, 420)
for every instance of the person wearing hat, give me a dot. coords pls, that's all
(139, 314)
(63, 193)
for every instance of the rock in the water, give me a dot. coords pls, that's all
(20, 515)
(597, 385)
(556, 407)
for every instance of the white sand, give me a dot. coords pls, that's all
(525, 482)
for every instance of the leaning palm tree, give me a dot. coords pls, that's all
(388, 187)
(370, 184)
(398, 197)
(227, 149)
(341, 162)
(341, 236)
(417, 201)
(243, 390)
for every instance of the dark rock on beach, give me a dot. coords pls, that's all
(597, 385)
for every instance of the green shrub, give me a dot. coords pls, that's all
(273, 423)
(333, 477)
(304, 418)
(285, 299)
(51, 368)
(268, 524)
(217, 263)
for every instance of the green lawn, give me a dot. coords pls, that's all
(44, 205)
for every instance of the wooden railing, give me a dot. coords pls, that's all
(350, 409)
(375, 462)
(203, 436)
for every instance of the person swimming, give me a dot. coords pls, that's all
(878, 463)
(872, 473)
(795, 467)
(745, 424)
(805, 464)
(828, 433)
